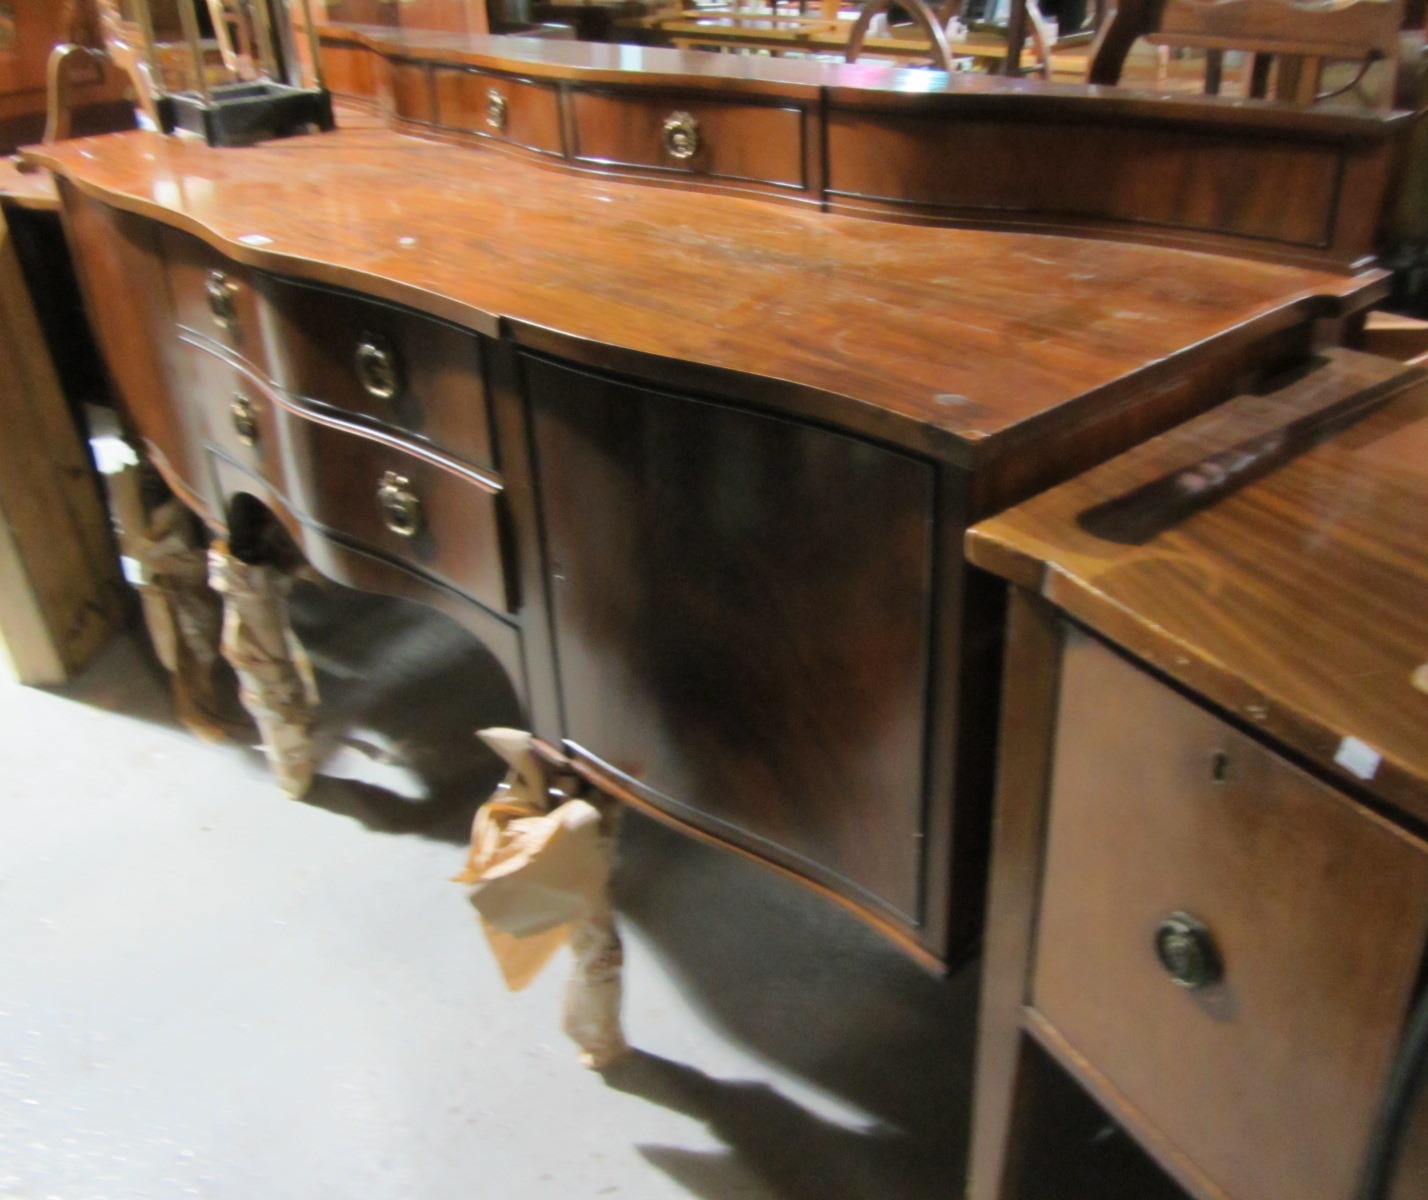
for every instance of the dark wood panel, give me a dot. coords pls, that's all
(745, 142)
(1245, 177)
(333, 475)
(314, 338)
(406, 91)
(1269, 1080)
(349, 70)
(121, 273)
(507, 110)
(741, 609)
(1190, 181)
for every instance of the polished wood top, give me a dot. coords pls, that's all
(1271, 555)
(960, 342)
(27, 189)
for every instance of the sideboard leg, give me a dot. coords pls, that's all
(594, 993)
(274, 675)
(181, 613)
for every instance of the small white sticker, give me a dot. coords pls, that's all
(1358, 758)
(133, 570)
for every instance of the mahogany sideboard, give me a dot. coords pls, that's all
(1210, 879)
(695, 466)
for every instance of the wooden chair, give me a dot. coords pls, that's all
(932, 23)
(1289, 43)
(87, 94)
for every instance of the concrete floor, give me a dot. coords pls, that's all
(209, 991)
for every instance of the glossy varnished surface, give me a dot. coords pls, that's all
(970, 337)
(1271, 555)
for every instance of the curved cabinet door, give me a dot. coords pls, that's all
(740, 609)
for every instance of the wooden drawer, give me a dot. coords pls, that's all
(453, 514)
(503, 109)
(405, 89)
(1315, 910)
(212, 295)
(756, 143)
(331, 347)
(230, 413)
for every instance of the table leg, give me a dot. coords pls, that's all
(274, 675)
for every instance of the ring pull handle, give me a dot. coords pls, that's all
(496, 110)
(222, 298)
(1187, 950)
(245, 419)
(401, 510)
(681, 136)
(378, 368)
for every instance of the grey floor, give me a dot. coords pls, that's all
(207, 990)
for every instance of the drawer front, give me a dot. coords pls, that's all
(405, 90)
(756, 143)
(410, 372)
(231, 414)
(212, 295)
(1172, 834)
(423, 514)
(505, 110)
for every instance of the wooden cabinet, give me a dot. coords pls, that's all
(698, 466)
(1210, 889)
(1170, 831)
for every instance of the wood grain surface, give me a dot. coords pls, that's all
(1265, 1084)
(1271, 555)
(952, 339)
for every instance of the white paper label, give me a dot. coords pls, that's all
(1358, 758)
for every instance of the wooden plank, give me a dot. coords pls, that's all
(60, 592)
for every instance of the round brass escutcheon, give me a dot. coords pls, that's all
(245, 419)
(222, 296)
(1187, 950)
(681, 135)
(378, 368)
(401, 510)
(496, 107)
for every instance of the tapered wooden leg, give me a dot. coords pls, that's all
(274, 675)
(594, 993)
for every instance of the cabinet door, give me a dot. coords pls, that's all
(741, 609)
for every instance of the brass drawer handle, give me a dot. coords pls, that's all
(245, 419)
(378, 368)
(401, 510)
(1187, 950)
(496, 109)
(681, 135)
(222, 298)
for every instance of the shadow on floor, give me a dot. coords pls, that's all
(794, 979)
(800, 982)
(403, 690)
(796, 1153)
